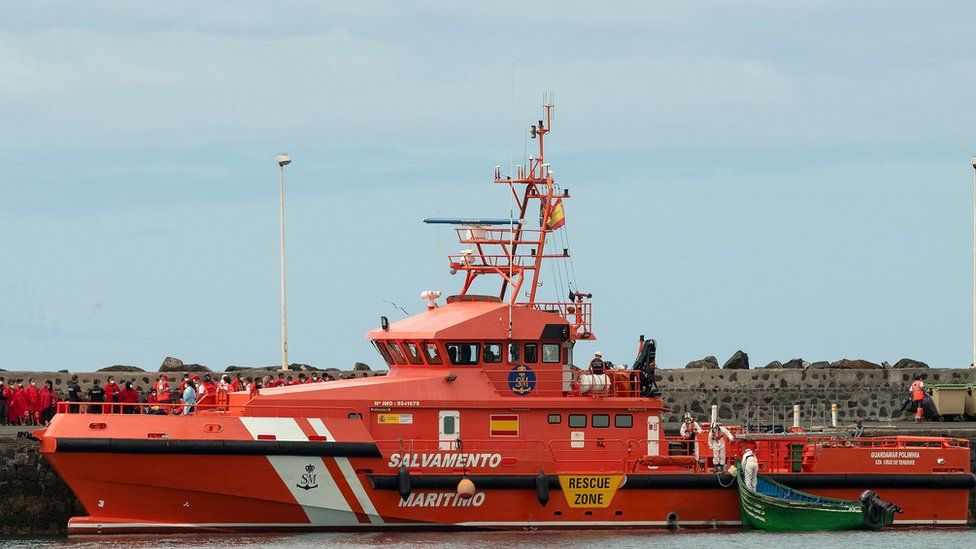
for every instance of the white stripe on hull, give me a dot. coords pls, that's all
(324, 504)
(347, 471)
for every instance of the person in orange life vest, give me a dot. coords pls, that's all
(280, 382)
(47, 402)
(33, 396)
(206, 392)
(162, 392)
(186, 377)
(315, 378)
(918, 395)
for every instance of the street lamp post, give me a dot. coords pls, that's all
(283, 160)
(973, 162)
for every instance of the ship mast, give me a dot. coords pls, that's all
(510, 249)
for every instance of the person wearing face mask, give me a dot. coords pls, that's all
(17, 410)
(32, 394)
(47, 402)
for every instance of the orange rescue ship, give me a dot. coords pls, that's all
(482, 422)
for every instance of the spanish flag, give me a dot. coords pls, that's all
(506, 425)
(557, 218)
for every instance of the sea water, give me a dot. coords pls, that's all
(725, 539)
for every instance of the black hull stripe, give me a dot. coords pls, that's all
(686, 481)
(218, 447)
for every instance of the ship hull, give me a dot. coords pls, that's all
(168, 493)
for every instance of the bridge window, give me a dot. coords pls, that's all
(381, 347)
(550, 353)
(577, 421)
(555, 419)
(493, 353)
(531, 353)
(601, 421)
(623, 421)
(513, 353)
(397, 353)
(413, 353)
(432, 353)
(463, 354)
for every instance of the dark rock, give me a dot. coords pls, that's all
(121, 368)
(707, 363)
(820, 365)
(856, 364)
(909, 363)
(298, 367)
(171, 364)
(361, 367)
(238, 368)
(774, 364)
(62, 371)
(795, 364)
(738, 361)
(195, 368)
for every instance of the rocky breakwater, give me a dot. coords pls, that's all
(33, 498)
(861, 389)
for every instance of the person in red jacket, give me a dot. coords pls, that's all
(128, 397)
(17, 410)
(6, 393)
(112, 391)
(47, 402)
(32, 394)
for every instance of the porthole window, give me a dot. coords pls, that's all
(623, 421)
(531, 353)
(601, 421)
(550, 353)
(463, 354)
(413, 353)
(432, 353)
(555, 419)
(513, 353)
(381, 347)
(493, 353)
(577, 421)
(397, 353)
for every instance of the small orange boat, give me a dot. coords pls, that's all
(482, 422)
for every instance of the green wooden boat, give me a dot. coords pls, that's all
(777, 508)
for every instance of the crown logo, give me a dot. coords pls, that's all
(309, 468)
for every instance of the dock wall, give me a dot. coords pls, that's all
(767, 395)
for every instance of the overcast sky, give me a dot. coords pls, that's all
(790, 180)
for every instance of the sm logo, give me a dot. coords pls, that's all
(308, 479)
(521, 380)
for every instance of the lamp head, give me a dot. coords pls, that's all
(973, 160)
(283, 159)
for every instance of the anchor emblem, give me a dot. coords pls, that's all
(308, 479)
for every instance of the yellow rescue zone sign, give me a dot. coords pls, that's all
(592, 491)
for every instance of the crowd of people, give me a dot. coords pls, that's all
(24, 403)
